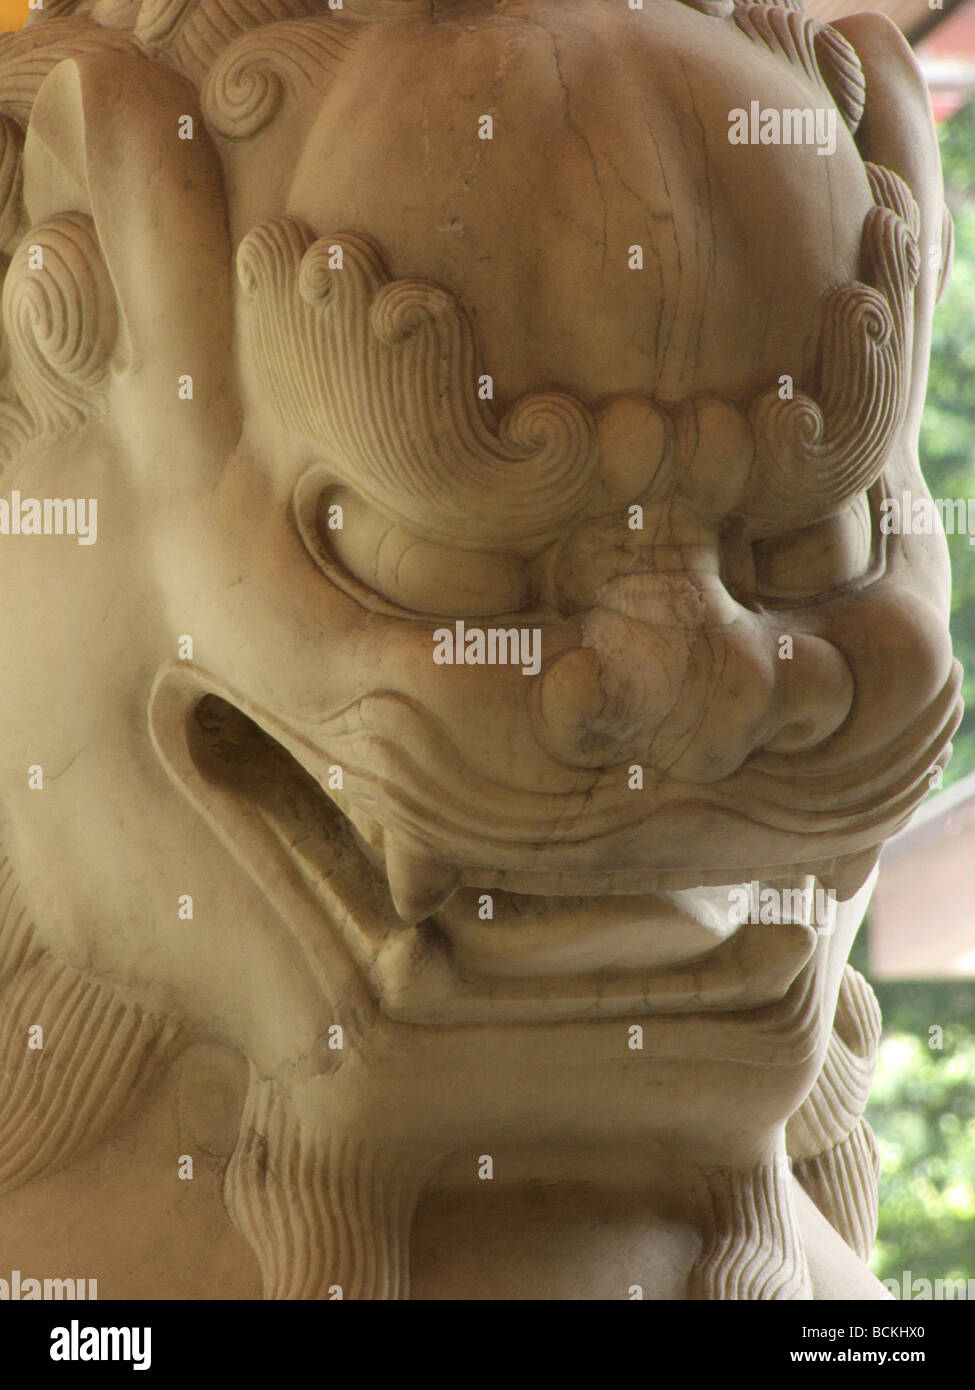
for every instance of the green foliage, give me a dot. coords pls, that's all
(948, 427)
(922, 1106)
(923, 1111)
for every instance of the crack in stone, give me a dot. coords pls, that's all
(576, 130)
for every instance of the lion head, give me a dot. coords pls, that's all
(488, 455)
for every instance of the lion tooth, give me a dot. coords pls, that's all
(419, 886)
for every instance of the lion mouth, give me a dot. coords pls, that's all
(485, 953)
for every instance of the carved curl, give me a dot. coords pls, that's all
(195, 33)
(821, 53)
(833, 1149)
(842, 73)
(27, 56)
(246, 87)
(817, 452)
(60, 321)
(383, 375)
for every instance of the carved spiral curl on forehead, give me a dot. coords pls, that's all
(815, 457)
(194, 33)
(822, 54)
(317, 281)
(244, 94)
(60, 320)
(815, 453)
(383, 374)
(245, 89)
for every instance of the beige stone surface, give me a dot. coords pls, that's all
(448, 744)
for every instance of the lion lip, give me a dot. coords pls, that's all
(297, 844)
(753, 969)
(508, 935)
(482, 956)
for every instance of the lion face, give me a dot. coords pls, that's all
(338, 470)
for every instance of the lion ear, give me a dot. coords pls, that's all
(121, 140)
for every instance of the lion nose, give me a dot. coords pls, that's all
(673, 673)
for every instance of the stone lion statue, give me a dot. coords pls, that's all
(486, 410)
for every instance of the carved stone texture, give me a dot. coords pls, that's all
(456, 685)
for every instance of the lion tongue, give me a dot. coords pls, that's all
(419, 886)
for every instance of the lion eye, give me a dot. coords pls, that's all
(802, 565)
(413, 573)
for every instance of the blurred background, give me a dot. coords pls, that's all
(917, 947)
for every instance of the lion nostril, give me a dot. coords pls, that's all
(813, 696)
(603, 702)
(693, 697)
(571, 702)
